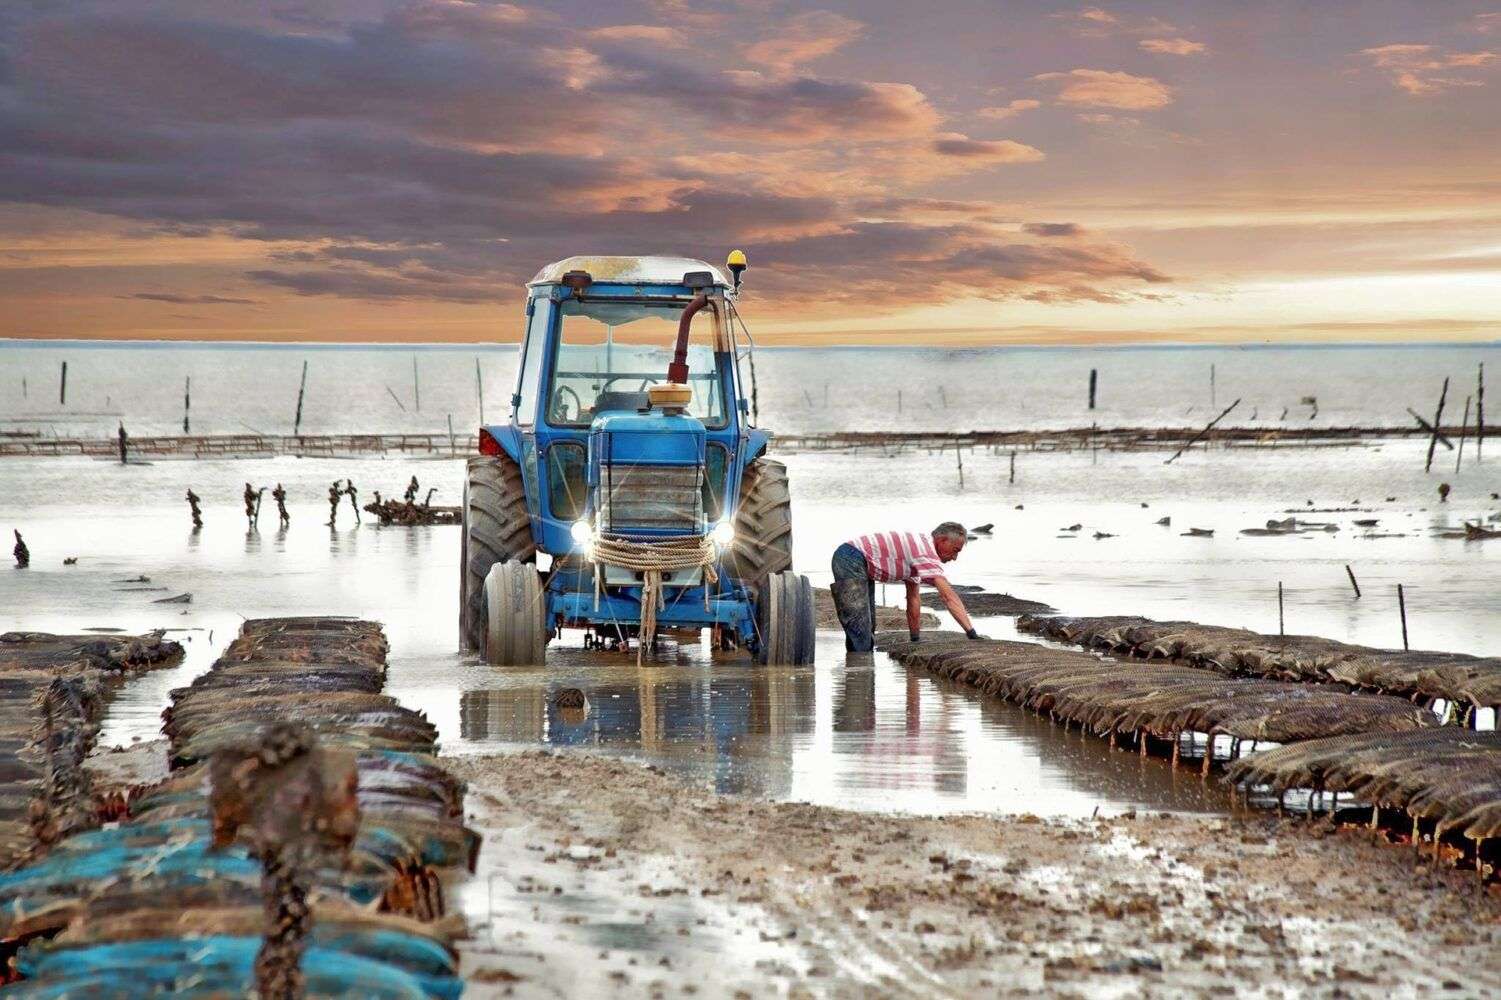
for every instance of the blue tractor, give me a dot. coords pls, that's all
(629, 495)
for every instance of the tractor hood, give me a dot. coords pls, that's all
(646, 473)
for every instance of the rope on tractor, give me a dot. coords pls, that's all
(652, 559)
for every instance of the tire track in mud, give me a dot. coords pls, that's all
(843, 904)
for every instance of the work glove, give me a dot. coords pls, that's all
(972, 634)
(915, 636)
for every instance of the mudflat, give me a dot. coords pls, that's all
(606, 877)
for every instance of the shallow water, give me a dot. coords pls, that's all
(361, 388)
(850, 733)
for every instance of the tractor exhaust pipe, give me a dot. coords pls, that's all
(677, 371)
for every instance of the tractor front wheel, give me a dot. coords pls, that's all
(496, 529)
(515, 616)
(785, 621)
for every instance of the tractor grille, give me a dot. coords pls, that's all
(651, 498)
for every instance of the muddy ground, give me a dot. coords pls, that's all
(606, 878)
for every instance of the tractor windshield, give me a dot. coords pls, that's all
(610, 353)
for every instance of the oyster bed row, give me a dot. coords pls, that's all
(52, 694)
(1470, 683)
(1398, 766)
(151, 905)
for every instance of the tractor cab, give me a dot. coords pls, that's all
(628, 460)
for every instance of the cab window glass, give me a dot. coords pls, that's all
(566, 489)
(531, 364)
(610, 353)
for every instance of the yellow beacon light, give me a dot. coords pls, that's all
(736, 264)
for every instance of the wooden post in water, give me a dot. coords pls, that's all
(301, 391)
(1479, 412)
(479, 391)
(25, 393)
(1281, 620)
(1402, 609)
(1438, 421)
(187, 400)
(62, 387)
(1013, 467)
(1464, 427)
(1211, 386)
(416, 389)
(397, 398)
(1351, 572)
(899, 401)
(452, 448)
(959, 457)
(1207, 428)
(1094, 378)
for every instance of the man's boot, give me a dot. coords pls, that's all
(852, 604)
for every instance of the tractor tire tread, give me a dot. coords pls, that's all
(763, 523)
(496, 529)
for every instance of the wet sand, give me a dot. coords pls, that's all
(607, 878)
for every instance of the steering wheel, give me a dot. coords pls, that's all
(560, 405)
(645, 381)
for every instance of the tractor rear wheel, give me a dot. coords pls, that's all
(785, 621)
(496, 529)
(515, 616)
(763, 524)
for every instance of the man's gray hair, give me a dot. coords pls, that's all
(951, 529)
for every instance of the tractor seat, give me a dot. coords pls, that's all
(634, 402)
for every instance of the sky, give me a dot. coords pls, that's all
(950, 172)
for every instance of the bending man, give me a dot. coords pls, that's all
(908, 557)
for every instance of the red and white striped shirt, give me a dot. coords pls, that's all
(895, 556)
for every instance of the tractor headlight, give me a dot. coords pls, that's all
(582, 532)
(723, 534)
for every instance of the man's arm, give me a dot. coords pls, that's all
(953, 603)
(914, 609)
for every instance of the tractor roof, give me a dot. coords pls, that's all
(629, 270)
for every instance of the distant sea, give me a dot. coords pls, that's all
(366, 388)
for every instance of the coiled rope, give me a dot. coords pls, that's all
(652, 559)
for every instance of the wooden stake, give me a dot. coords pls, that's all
(416, 389)
(1013, 467)
(1464, 426)
(959, 456)
(1443, 438)
(62, 387)
(396, 398)
(1281, 620)
(1438, 421)
(1479, 412)
(1207, 428)
(1352, 580)
(452, 448)
(1211, 387)
(1402, 607)
(301, 391)
(479, 391)
(1094, 377)
(187, 400)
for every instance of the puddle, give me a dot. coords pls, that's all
(579, 922)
